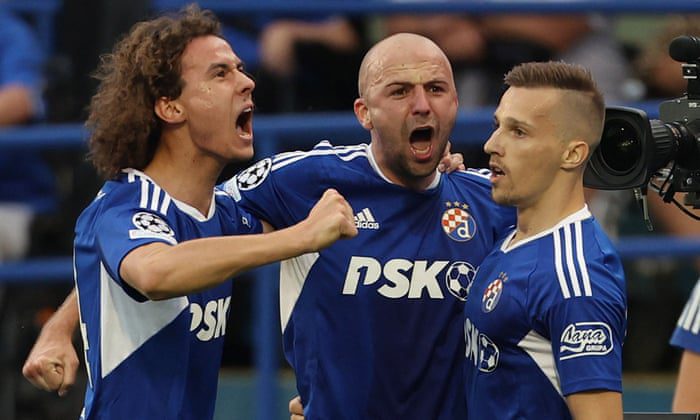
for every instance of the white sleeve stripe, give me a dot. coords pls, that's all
(558, 267)
(348, 157)
(582, 260)
(691, 311)
(155, 198)
(568, 247)
(166, 204)
(144, 194)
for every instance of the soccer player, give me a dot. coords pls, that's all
(686, 336)
(369, 324)
(546, 314)
(152, 270)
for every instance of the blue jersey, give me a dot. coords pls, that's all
(687, 332)
(545, 318)
(149, 359)
(369, 323)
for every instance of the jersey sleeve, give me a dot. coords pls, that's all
(586, 335)
(123, 229)
(276, 191)
(687, 332)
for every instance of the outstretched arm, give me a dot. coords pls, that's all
(53, 361)
(595, 405)
(161, 271)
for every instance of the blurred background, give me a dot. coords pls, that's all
(304, 56)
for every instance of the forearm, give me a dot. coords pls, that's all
(166, 271)
(595, 405)
(15, 105)
(686, 398)
(65, 320)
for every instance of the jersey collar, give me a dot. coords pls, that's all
(373, 164)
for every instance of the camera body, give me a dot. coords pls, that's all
(633, 147)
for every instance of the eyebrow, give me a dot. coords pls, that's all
(513, 121)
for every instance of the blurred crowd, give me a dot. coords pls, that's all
(308, 63)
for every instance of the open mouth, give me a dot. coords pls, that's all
(421, 142)
(496, 172)
(244, 123)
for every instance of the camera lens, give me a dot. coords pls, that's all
(620, 146)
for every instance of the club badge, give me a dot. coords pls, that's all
(457, 223)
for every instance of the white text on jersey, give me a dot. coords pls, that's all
(211, 320)
(401, 277)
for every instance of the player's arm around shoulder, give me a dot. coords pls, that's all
(160, 271)
(594, 405)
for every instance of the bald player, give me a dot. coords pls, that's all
(370, 325)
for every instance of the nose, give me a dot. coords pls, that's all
(421, 105)
(247, 84)
(492, 146)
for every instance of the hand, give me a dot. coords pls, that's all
(296, 410)
(451, 162)
(277, 48)
(329, 220)
(52, 363)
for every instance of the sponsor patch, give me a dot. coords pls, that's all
(254, 175)
(585, 339)
(457, 223)
(149, 222)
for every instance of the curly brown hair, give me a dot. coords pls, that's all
(144, 66)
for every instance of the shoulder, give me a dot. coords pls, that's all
(323, 153)
(582, 261)
(299, 166)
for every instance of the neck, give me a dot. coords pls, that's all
(544, 214)
(185, 176)
(416, 183)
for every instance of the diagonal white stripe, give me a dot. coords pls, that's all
(558, 267)
(368, 214)
(360, 217)
(569, 254)
(582, 260)
(293, 274)
(540, 350)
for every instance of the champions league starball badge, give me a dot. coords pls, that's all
(149, 222)
(254, 175)
(457, 223)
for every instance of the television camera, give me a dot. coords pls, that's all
(636, 152)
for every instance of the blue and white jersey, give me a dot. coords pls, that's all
(545, 318)
(369, 323)
(149, 359)
(687, 332)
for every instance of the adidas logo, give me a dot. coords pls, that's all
(365, 220)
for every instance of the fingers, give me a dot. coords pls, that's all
(44, 373)
(69, 374)
(296, 409)
(347, 226)
(451, 162)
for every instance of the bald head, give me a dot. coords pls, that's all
(402, 50)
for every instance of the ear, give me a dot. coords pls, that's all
(362, 113)
(169, 110)
(575, 154)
